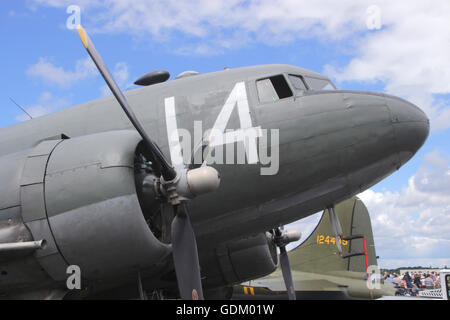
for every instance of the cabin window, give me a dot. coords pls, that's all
(319, 84)
(297, 82)
(273, 89)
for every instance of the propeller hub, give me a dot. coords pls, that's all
(287, 237)
(202, 180)
(190, 183)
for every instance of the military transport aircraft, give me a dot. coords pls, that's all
(319, 271)
(90, 190)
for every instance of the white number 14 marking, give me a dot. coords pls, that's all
(217, 136)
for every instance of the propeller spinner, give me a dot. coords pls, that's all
(178, 185)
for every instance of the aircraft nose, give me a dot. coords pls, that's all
(411, 126)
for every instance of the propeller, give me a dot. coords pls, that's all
(185, 255)
(168, 172)
(178, 186)
(282, 238)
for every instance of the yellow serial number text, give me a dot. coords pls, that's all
(322, 239)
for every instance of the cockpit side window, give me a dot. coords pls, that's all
(273, 89)
(297, 82)
(319, 84)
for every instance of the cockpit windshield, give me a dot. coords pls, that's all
(319, 84)
(297, 82)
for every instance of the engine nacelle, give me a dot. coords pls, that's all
(241, 260)
(87, 208)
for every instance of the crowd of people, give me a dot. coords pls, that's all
(414, 282)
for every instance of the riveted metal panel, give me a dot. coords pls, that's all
(49, 256)
(44, 148)
(68, 190)
(36, 162)
(32, 181)
(106, 149)
(32, 199)
(226, 267)
(41, 231)
(10, 176)
(9, 214)
(33, 207)
(55, 266)
(34, 170)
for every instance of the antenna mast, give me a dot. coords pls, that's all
(20, 107)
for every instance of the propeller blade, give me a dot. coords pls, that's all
(287, 275)
(167, 171)
(185, 256)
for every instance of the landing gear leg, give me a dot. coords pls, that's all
(336, 226)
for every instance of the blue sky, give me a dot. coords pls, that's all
(367, 45)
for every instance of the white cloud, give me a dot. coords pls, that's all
(52, 74)
(409, 54)
(414, 224)
(411, 227)
(275, 20)
(47, 103)
(121, 72)
(121, 76)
